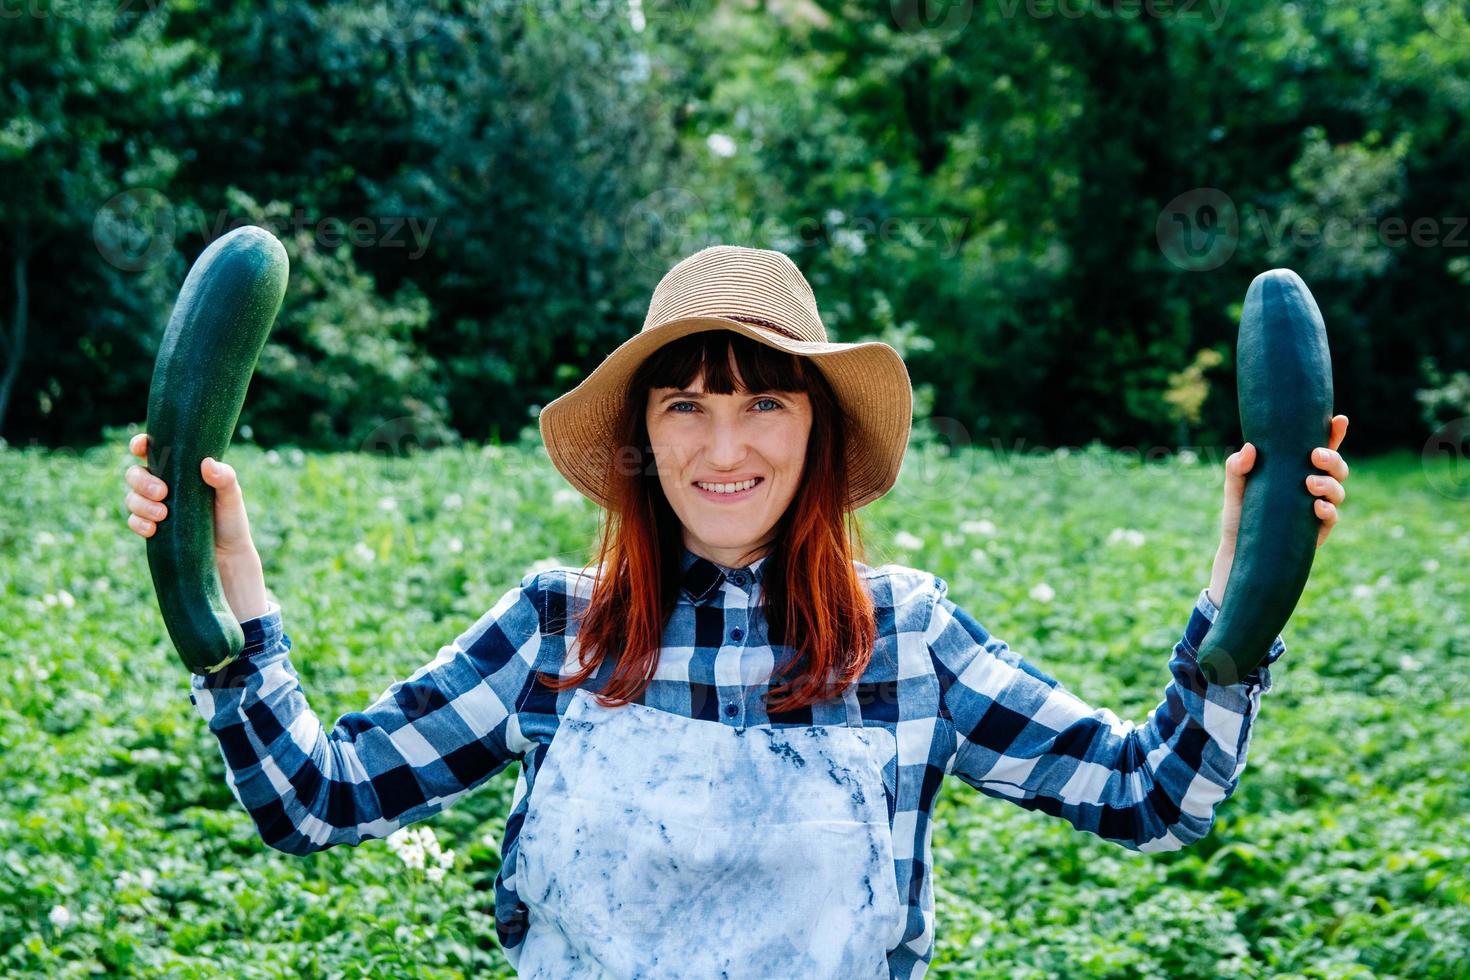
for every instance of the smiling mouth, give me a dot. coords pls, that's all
(729, 491)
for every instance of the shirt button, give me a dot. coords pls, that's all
(731, 709)
(738, 579)
(736, 633)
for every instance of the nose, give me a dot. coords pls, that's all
(726, 447)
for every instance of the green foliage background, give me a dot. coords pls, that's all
(979, 183)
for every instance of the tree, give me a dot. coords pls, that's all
(90, 100)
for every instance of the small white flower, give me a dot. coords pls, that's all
(978, 556)
(907, 541)
(1431, 565)
(102, 584)
(850, 239)
(387, 503)
(59, 916)
(1129, 535)
(456, 545)
(49, 599)
(434, 874)
(446, 858)
(978, 527)
(363, 552)
(720, 145)
(1408, 663)
(297, 457)
(67, 599)
(272, 457)
(566, 497)
(452, 502)
(488, 839)
(45, 537)
(1043, 592)
(145, 878)
(1397, 531)
(1361, 591)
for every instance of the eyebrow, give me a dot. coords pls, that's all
(700, 394)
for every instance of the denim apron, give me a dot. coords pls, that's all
(657, 845)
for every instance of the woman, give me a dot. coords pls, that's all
(731, 744)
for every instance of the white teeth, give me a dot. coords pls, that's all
(727, 487)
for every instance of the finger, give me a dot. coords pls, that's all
(1328, 514)
(138, 445)
(149, 486)
(142, 525)
(144, 507)
(1331, 461)
(1339, 429)
(1327, 488)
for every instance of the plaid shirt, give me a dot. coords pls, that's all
(956, 698)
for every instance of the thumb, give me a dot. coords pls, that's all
(1244, 459)
(1237, 466)
(219, 475)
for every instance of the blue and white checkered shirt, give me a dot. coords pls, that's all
(957, 700)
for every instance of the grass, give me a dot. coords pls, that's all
(1343, 853)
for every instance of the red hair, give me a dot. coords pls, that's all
(809, 585)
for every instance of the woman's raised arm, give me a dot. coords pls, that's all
(422, 744)
(1024, 737)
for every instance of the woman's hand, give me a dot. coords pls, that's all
(241, 576)
(1326, 486)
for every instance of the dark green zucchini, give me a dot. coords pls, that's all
(224, 313)
(1284, 373)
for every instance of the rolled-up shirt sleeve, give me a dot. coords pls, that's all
(426, 740)
(1022, 736)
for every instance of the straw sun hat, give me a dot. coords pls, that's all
(761, 294)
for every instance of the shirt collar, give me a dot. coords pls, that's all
(701, 578)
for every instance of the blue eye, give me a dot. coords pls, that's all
(673, 406)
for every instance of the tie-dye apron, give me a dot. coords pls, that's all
(657, 845)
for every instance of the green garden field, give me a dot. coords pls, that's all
(1345, 851)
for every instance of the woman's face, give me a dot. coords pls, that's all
(704, 443)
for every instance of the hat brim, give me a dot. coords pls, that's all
(869, 378)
